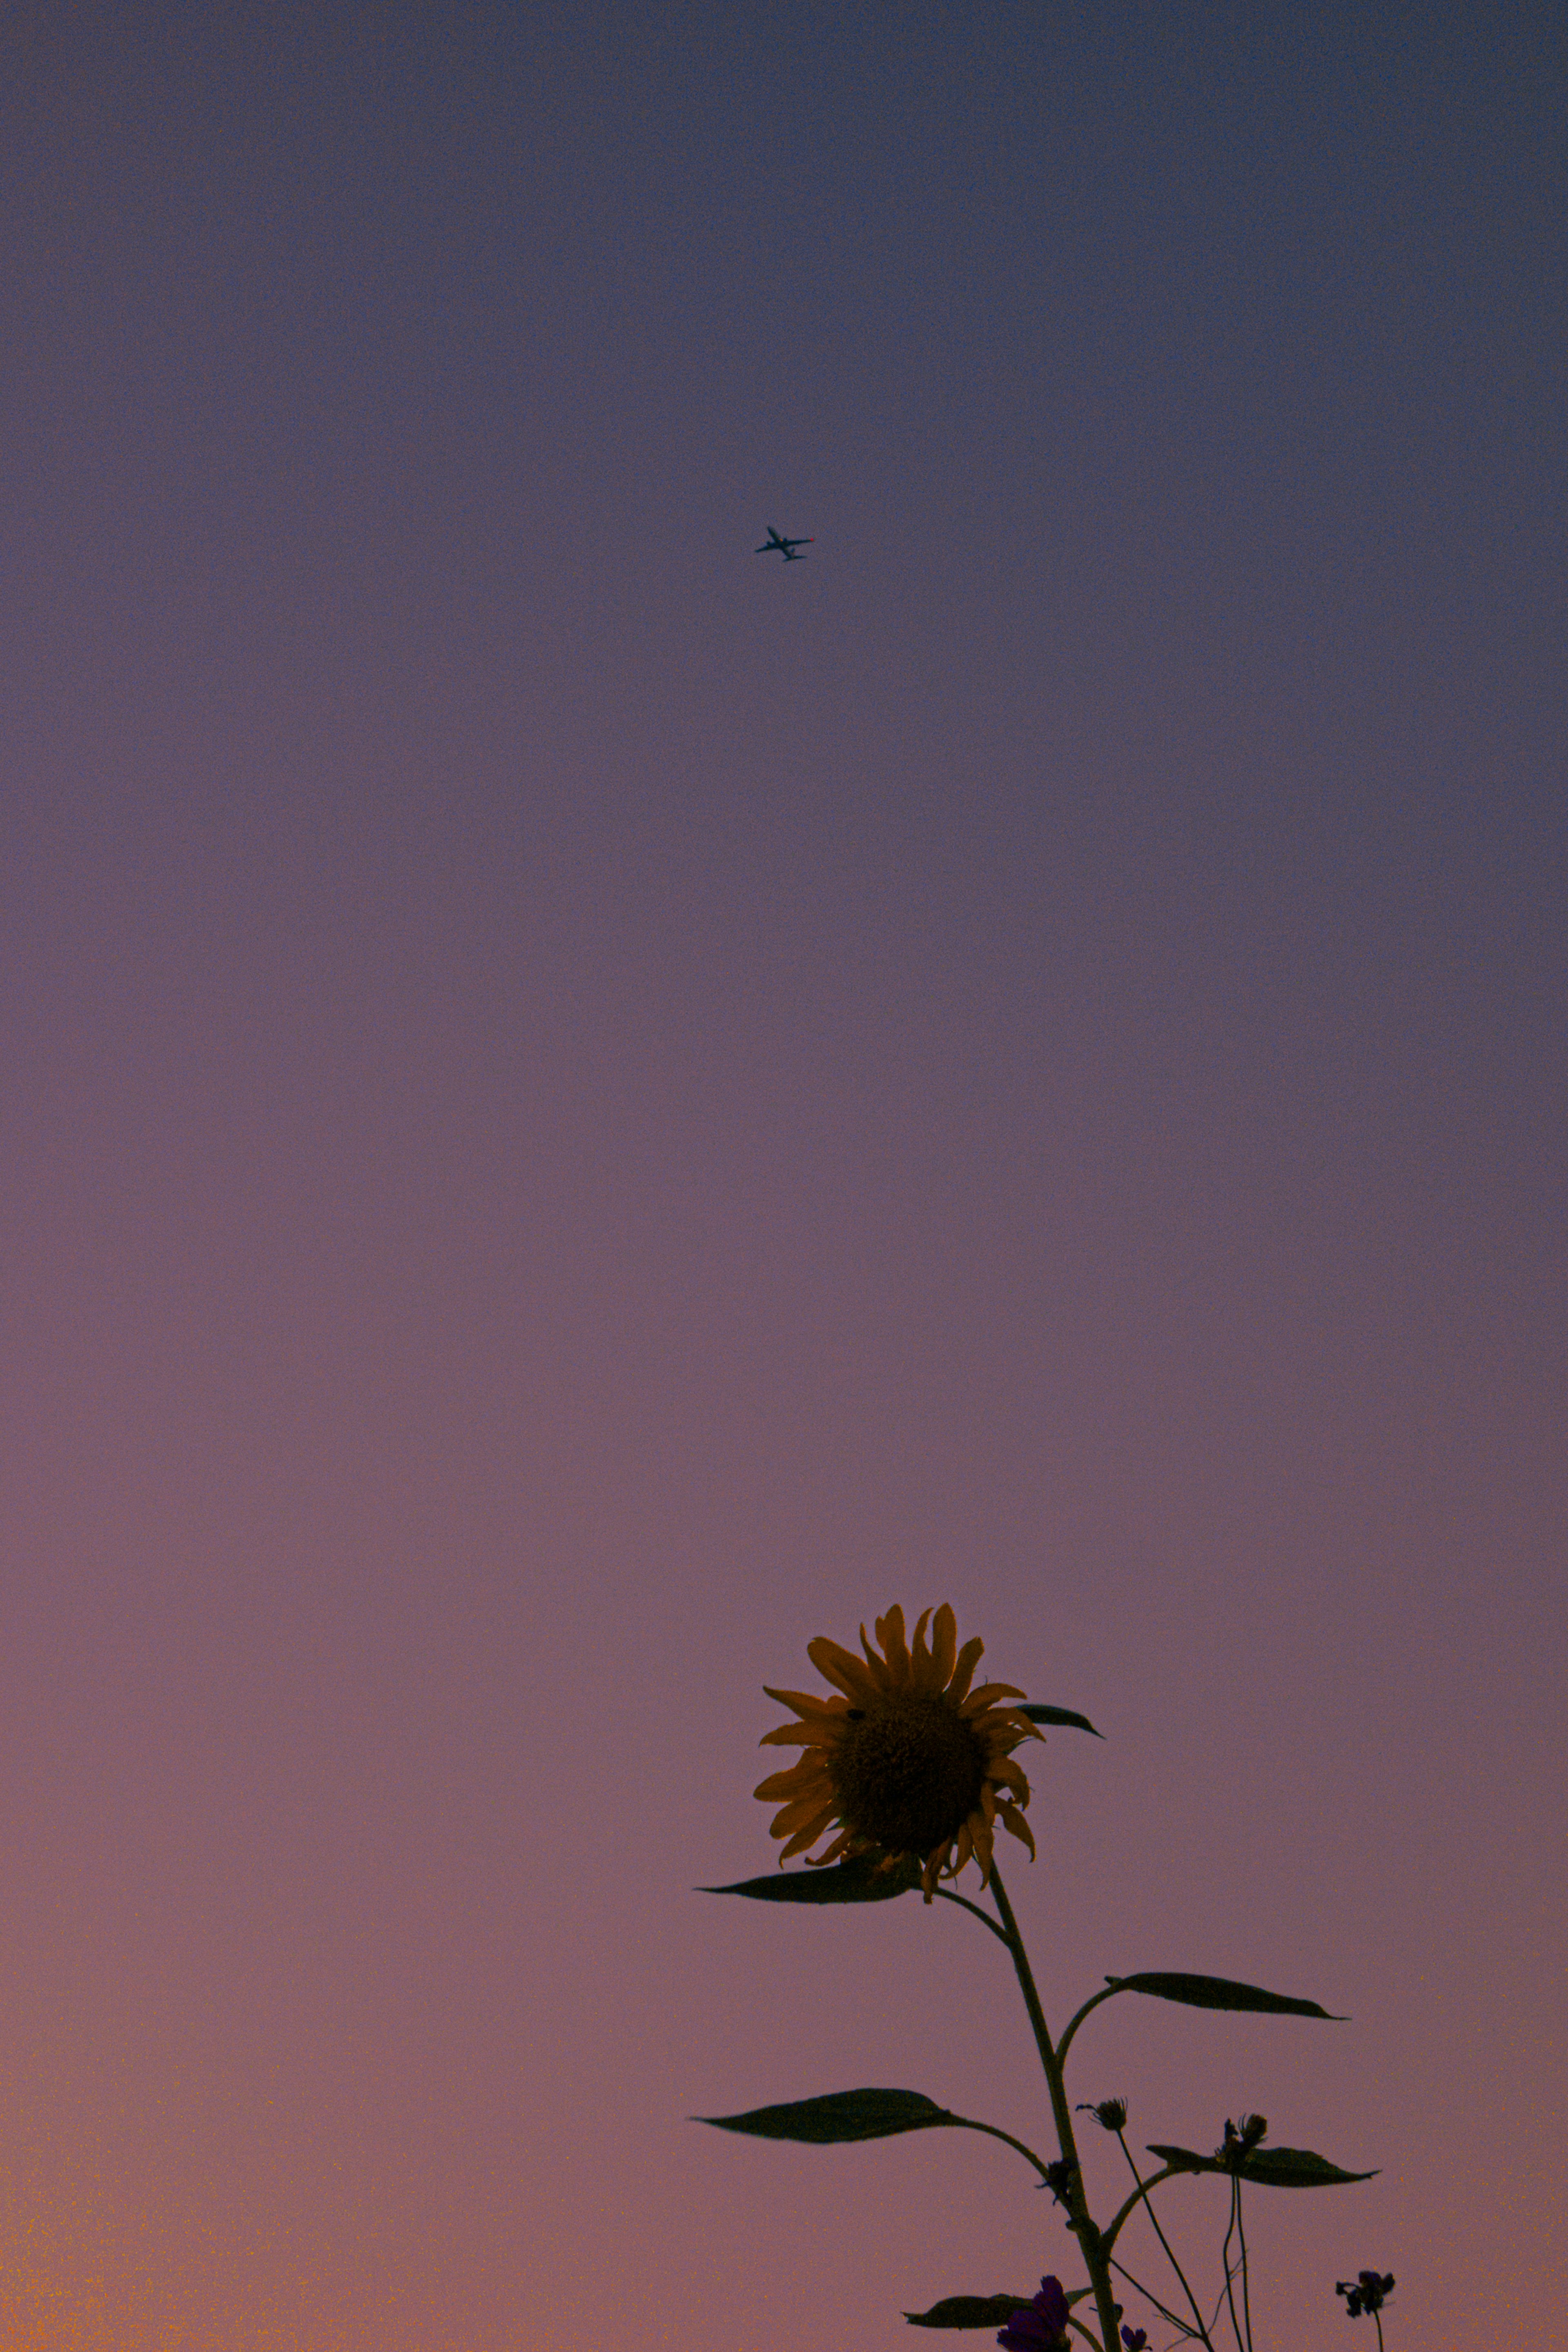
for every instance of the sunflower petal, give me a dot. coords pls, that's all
(844, 1843)
(969, 1657)
(814, 1805)
(1012, 1819)
(805, 1704)
(843, 1667)
(803, 1837)
(986, 1696)
(922, 1665)
(891, 1634)
(944, 1644)
(804, 1773)
(801, 1735)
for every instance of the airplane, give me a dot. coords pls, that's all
(785, 547)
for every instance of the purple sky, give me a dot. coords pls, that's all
(581, 1109)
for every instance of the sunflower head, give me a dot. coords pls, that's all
(904, 1761)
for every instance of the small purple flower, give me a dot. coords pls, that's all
(1135, 2338)
(1368, 2293)
(1040, 2325)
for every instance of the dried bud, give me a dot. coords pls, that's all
(1060, 2179)
(1241, 2138)
(1110, 2114)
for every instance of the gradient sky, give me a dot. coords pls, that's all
(581, 1107)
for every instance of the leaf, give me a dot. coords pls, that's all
(970, 2311)
(1271, 2167)
(841, 1882)
(1063, 1715)
(840, 2116)
(1296, 2167)
(1218, 1992)
(1182, 2159)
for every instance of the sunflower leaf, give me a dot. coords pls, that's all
(1272, 2167)
(970, 2311)
(841, 1882)
(1062, 1715)
(840, 2116)
(1218, 1992)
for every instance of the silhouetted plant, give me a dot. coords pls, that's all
(907, 1769)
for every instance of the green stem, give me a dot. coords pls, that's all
(1091, 2244)
(1245, 2290)
(1150, 2297)
(1143, 2196)
(992, 2132)
(1166, 2172)
(1076, 2020)
(1224, 2263)
(987, 1921)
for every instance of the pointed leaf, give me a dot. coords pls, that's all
(841, 1882)
(970, 2311)
(1063, 1715)
(1296, 2168)
(1184, 2160)
(1218, 1992)
(842, 2114)
(1271, 2167)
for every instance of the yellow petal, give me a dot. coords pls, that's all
(843, 1667)
(1002, 1770)
(804, 1773)
(890, 1633)
(969, 1657)
(802, 1735)
(843, 1843)
(806, 1705)
(944, 1644)
(816, 1804)
(803, 1837)
(1013, 1819)
(876, 1664)
(922, 1666)
(988, 1692)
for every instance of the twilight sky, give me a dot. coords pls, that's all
(581, 1107)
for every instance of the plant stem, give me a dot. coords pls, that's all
(1143, 2189)
(987, 1921)
(1245, 2291)
(1091, 2244)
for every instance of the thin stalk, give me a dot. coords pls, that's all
(1096, 2258)
(1149, 2295)
(1076, 2020)
(1143, 2189)
(1130, 2205)
(987, 1921)
(992, 2132)
(1245, 2291)
(1225, 2264)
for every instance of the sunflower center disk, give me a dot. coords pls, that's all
(909, 1774)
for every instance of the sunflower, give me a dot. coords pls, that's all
(907, 1763)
